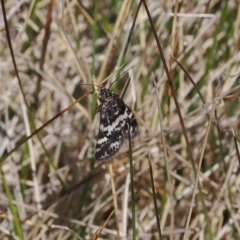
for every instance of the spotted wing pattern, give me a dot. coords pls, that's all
(115, 116)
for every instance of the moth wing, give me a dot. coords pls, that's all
(110, 136)
(130, 120)
(115, 116)
(107, 146)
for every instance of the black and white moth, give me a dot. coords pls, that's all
(115, 116)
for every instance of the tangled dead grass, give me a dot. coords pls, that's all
(50, 186)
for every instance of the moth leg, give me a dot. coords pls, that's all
(99, 108)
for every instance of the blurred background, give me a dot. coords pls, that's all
(51, 186)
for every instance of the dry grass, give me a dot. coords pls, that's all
(51, 186)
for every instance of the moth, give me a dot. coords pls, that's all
(115, 117)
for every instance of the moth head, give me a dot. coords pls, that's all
(103, 93)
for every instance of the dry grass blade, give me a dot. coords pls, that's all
(110, 169)
(237, 148)
(155, 200)
(44, 47)
(186, 234)
(43, 126)
(134, 232)
(170, 187)
(66, 229)
(104, 225)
